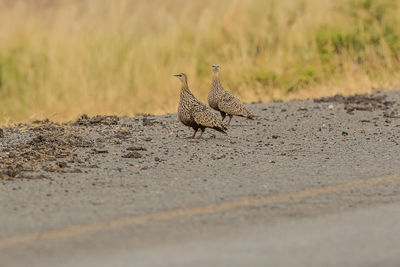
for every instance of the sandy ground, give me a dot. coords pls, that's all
(54, 176)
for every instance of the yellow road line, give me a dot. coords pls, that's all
(78, 230)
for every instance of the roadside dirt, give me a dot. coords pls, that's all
(358, 102)
(34, 151)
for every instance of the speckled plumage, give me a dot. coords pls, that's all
(193, 113)
(224, 101)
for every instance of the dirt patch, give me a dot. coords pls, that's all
(47, 147)
(85, 120)
(392, 115)
(51, 148)
(358, 102)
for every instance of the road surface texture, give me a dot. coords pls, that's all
(308, 183)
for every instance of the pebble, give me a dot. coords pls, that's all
(132, 154)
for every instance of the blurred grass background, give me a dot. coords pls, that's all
(62, 58)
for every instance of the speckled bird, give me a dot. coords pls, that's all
(224, 101)
(193, 113)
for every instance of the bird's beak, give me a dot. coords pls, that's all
(176, 75)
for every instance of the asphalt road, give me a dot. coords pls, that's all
(362, 237)
(306, 184)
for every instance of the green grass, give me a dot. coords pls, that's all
(59, 58)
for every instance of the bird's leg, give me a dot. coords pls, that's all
(202, 131)
(223, 115)
(195, 131)
(229, 121)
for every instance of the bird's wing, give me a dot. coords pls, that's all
(232, 105)
(206, 118)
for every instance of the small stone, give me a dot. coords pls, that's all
(122, 134)
(147, 122)
(1, 133)
(134, 148)
(133, 154)
(75, 171)
(62, 164)
(97, 151)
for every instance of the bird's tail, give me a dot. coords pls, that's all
(251, 116)
(221, 129)
(246, 113)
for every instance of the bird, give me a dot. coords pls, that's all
(193, 113)
(224, 101)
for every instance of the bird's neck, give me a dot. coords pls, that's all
(216, 80)
(215, 75)
(185, 88)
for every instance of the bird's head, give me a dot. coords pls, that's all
(181, 76)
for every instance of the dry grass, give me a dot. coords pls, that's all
(61, 58)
